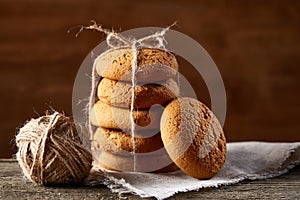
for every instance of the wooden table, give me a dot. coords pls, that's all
(13, 186)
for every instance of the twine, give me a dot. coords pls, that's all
(133, 86)
(50, 151)
(115, 40)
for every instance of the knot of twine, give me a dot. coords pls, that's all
(50, 151)
(116, 40)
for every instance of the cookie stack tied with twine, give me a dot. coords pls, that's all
(135, 81)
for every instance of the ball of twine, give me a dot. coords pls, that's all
(50, 151)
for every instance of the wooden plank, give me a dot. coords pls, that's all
(13, 186)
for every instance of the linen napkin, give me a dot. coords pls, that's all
(245, 160)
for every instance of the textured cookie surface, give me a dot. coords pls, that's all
(117, 141)
(118, 94)
(193, 138)
(107, 116)
(154, 65)
(144, 163)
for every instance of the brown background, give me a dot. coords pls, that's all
(255, 44)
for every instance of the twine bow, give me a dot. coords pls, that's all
(115, 40)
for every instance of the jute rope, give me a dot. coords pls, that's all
(134, 66)
(50, 151)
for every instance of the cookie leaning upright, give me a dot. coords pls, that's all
(193, 138)
(153, 64)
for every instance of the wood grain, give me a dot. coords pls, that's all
(255, 44)
(13, 186)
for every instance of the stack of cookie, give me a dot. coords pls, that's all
(111, 114)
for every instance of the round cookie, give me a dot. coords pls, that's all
(193, 138)
(158, 162)
(107, 116)
(119, 142)
(118, 93)
(154, 65)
